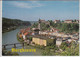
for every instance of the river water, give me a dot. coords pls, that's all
(10, 38)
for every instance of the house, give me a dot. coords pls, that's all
(58, 41)
(43, 40)
(32, 33)
(65, 35)
(35, 31)
(43, 32)
(77, 21)
(68, 21)
(24, 35)
(56, 21)
(69, 39)
(54, 33)
(52, 37)
(33, 28)
(43, 21)
(27, 29)
(54, 30)
(65, 38)
(74, 36)
(50, 33)
(39, 41)
(60, 34)
(51, 30)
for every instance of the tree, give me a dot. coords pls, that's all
(30, 38)
(47, 51)
(71, 51)
(63, 46)
(35, 25)
(9, 53)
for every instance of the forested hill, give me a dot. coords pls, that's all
(8, 24)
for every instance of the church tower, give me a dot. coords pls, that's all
(39, 24)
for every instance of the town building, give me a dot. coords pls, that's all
(68, 21)
(35, 31)
(56, 21)
(77, 21)
(43, 40)
(58, 41)
(69, 40)
(43, 21)
(25, 35)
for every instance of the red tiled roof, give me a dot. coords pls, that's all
(27, 29)
(26, 33)
(56, 20)
(68, 20)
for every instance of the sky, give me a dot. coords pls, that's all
(47, 10)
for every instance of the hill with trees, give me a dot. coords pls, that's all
(10, 24)
(63, 27)
(66, 27)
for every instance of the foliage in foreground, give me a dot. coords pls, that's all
(72, 50)
(9, 53)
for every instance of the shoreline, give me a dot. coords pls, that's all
(8, 30)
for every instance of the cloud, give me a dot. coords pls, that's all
(31, 4)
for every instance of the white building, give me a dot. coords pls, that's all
(58, 42)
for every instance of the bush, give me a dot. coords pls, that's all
(46, 51)
(33, 42)
(42, 47)
(30, 38)
(8, 53)
(63, 45)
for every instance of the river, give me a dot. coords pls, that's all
(10, 38)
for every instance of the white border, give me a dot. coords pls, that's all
(79, 27)
(30, 56)
(0, 28)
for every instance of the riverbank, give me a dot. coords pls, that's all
(11, 24)
(9, 29)
(13, 28)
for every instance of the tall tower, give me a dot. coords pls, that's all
(39, 24)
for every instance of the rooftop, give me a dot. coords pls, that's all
(68, 20)
(44, 37)
(56, 20)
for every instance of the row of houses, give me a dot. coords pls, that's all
(66, 21)
(58, 21)
(37, 38)
(68, 40)
(55, 32)
(47, 40)
(60, 37)
(47, 37)
(24, 32)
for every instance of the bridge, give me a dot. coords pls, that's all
(14, 45)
